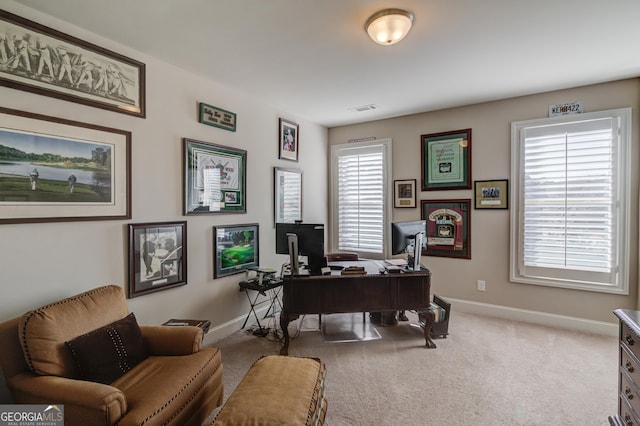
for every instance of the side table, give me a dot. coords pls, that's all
(271, 291)
(203, 324)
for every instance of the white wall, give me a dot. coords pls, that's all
(40, 263)
(490, 150)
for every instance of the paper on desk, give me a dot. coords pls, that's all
(396, 262)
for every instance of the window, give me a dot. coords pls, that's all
(359, 195)
(571, 201)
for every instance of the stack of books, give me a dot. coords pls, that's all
(438, 312)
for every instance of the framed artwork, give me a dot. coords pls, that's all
(157, 257)
(48, 62)
(491, 194)
(287, 194)
(288, 144)
(235, 249)
(448, 228)
(446, 160)
(214, 178)
(217, 117)
(57, 170)
(404, 193)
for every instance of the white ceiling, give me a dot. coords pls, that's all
(313, 59)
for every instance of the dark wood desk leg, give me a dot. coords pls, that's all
(427, 317)
(284, 325)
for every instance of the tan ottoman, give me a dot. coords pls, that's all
(278, 390)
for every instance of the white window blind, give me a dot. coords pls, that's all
(571, 202)
(360, 189)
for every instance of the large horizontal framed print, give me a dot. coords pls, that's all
(58, 170)
(157, 256)
(214, 178)
(235, 248)
(446, 160)
(39, 59)
(448, 227)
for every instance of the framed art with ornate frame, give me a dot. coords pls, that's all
(446, 160)
(157, 256)
(287, 194)
(491, 194)
(58, 170)
(214, 178)
(448, 228)
(404, 193)
(51, 63)
(289, 138)
(235, 248)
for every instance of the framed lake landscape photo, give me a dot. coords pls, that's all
(287, 194)
(157, 256)
(57, 170)
(214, 178)
(235, 249)
(42, 60)
(491, 194)
(446, 160)
(289, 132)
(448, 227)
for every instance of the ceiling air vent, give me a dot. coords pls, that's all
(363, 108)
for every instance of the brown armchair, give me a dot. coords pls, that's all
(44, 360)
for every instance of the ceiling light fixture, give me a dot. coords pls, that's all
(389, 26)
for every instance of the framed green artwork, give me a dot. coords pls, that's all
(446, 160)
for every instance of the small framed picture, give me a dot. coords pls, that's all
(235, 249)
(157, 257)
(491, 194)
(288, 140)
(404, 193)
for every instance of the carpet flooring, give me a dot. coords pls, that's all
(488, 371)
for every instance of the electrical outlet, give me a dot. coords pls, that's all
(482, 285)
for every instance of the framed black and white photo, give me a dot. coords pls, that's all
(214, 178)
(287, 194)
(48, 62)
(157, 257)
(404, 193)
(58, 170)
(491, 194)
(235, 248)
(288, 144)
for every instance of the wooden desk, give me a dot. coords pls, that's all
(370, 292)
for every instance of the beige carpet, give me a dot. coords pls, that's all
(487, 372)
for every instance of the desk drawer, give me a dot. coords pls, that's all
(629, 364)
(630, 340)
(629, 392)
(627, 414)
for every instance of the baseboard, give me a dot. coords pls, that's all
(505, 312)
(225, 329)
(535, 317)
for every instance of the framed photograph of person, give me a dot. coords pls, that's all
(214, 178)
(235, 249)
(288, 144)
(491, 194)
(446, 160)
(58, 170)
(287, 195)
(448, 228)
(404, 193)
(42, 60)
(157, 257)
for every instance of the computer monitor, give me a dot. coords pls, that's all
(403, 235)
(310, 238)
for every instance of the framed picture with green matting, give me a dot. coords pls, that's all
(235, 249)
